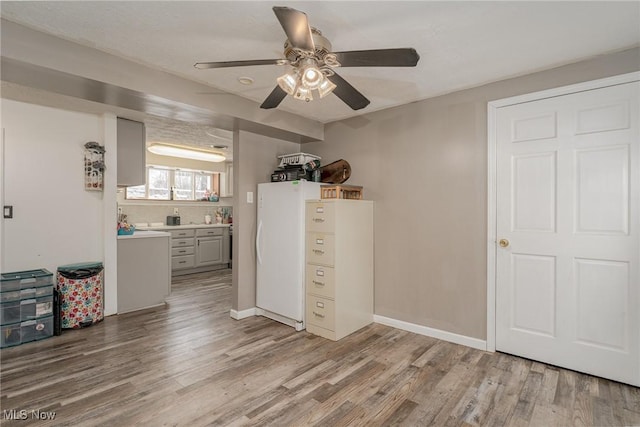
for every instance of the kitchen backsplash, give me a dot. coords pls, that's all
(138, 214)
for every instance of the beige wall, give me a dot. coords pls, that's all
(255, 158)
(425, 166)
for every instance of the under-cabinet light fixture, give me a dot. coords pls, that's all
(185, 152)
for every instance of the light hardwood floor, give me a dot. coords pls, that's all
(190, 364)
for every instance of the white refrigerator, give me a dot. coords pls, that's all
(280, 250)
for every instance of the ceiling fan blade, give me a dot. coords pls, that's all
(404, 57)
(227, 64)
(347, 93)
(274, 99)
(296, 27)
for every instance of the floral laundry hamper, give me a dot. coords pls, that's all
(81, 294)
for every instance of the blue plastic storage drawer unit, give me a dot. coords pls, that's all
(25, 279)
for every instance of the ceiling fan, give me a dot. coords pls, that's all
(313, 63)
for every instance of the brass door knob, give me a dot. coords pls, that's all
(503, 243)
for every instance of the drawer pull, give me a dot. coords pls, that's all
(318, 315)
(182, 234)
(319, 241)
(182, 262)
(182, 252)
(318, 219)
(320, 273)
(318, 251)
(315, 282)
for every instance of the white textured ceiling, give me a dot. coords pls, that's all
(461, 44)
(189, 134)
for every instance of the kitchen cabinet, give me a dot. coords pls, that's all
(195, 250)
(144, 273)
(339, 266)
(131, 143)
(182, 249)
(209, 251)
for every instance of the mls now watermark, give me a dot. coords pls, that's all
(23, 414)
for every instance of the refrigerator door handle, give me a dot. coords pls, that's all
(258, 242)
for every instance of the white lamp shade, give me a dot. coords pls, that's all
(312, 78)
(185, 153)
(326, 87)
(303, 93)
(288, 83)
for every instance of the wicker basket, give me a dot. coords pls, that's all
(353, 192)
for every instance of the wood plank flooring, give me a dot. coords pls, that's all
(190, 364)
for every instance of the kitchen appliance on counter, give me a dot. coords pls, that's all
(280, 250)
(173, 220)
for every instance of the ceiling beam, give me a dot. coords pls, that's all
(34, 59)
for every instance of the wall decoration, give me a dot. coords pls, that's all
(93, 166)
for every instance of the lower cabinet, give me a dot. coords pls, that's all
(195, 250)
(182, 249)
(144, 275)
(208, 251)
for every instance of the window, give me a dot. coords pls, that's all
(203, 184)
(158, 180)
(183, 185)
(186, 185)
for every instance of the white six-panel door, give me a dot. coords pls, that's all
(567, 276)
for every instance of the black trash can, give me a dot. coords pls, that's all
(80, 288)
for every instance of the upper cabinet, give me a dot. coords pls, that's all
(131, 153)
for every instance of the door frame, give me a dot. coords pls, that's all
(492, 109)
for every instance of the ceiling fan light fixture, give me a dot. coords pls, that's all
(303, 94)
(288, 82)
(326, 87)
(312, 77)
(310, 55)
(185, 153)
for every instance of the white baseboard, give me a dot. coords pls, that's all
(242, 314)
(431, 332)
(297, 325)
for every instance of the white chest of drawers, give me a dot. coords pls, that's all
(339, 266)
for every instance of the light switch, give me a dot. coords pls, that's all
(249, 196)
(8, 211)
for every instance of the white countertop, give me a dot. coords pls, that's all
(143, 234)
(181, 226)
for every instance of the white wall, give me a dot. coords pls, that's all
(55, 221)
